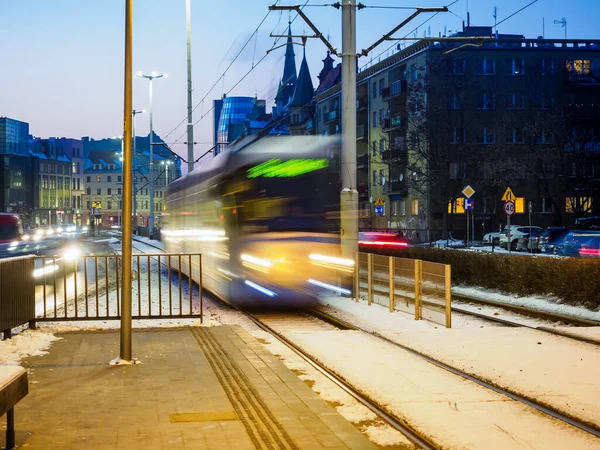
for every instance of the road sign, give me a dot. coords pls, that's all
(509, 208)
(379, 202)
(468, 191)
(380, 210)
(97, 205)
(509, 195)
(468, 204)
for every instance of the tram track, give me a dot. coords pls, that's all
(269, 324)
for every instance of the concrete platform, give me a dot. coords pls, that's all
(197, 388)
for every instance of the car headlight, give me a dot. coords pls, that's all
(25, 237)
(71, 254)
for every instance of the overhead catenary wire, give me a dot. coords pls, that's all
(240, 80)
(516, 12)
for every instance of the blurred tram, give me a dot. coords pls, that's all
(265, 217)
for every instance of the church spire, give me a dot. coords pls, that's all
(304, 91)
(289, 68)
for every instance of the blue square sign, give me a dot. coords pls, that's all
(469, 204)
(380, 210)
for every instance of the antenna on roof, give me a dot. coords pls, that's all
(562, 22)
(495, 18)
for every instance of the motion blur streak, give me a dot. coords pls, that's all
(331, 260)
(259, 288)
(383, 243)
(257, 261)
(330, 287)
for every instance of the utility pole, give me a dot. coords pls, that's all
(125, 341)
(190, 125)
(349, 194)
(151, 216)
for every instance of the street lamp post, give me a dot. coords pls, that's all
(133, 167)
(151, 216)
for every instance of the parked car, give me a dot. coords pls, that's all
(529, 242)
(550, 241)
(513, 233)
(588, 223)
(581, 243)
(492, 238)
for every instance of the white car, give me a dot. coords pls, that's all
(514, 233)
(492, 238)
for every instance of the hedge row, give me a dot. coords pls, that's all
(576, 281)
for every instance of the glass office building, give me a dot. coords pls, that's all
(14, 136)
(231, 114)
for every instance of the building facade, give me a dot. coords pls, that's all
(438, 116)
(231, 118)
(16, 179)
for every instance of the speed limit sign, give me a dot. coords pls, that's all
(509, 208)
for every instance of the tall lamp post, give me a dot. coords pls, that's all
(166, 164)
(133, 167)
(150, 78)
(120, 159)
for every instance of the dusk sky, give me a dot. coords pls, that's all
(62, 60)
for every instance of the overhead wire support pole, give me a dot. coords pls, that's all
(125, 353)
(190, 124)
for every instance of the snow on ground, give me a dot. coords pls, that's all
(556, 370)
(589, 333)
(24, 344)
(540, 303)
(454, 413)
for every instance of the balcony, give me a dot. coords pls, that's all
(396, 152)
(331, 116)
(396, 187)
(362, 103)
(391, 123)
(362, 161)
(394, 90)
(361, 133)
(363, 191)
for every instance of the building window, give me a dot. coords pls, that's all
(455, 102)
(579, 66)
(88, 191)
(544, 102)
(457, 206)
(119, 179)
(109, 178)
(89, 205)
(581, 204)
(453, 169)
(515, 101)
(458, 66)
(109, 191)
(485, 136)
(515, 67)
(374, 89)
(99, 191)
(374, 178)
(382, 146)
(545, 137)
(486, 101)
(109, 205)
(486, 66)
(414, 74)
(374, 122)
(98, 179)
(382, 176)
(119, 191)
(88, 179)
(546, 206)
(74, 167)
(545, 66)
(374, 145)
(415, 207)
(96, 166)
(515, 136)
(395, 208)
(381, 83)
(456, 135)
(402, 207)
(381, 115)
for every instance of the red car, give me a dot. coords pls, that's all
(11, 228)
(381, 240)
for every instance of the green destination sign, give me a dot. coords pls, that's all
(286, 169)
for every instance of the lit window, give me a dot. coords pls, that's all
(403, 208)
(581, 204)
(515, 67)
(415, 207)
(98, 179)
(457, 206)
(382, 176)
(579, 66)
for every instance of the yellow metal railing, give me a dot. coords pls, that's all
(419, 288)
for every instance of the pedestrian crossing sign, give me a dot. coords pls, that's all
(379, 202)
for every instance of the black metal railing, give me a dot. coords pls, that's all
(87, 288)
(17, 301)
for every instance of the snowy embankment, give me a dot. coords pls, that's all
(554, 370)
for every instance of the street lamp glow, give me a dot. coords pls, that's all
(139, 74)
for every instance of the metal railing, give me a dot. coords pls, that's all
(416, 287)
(88, 288)
(17, 302)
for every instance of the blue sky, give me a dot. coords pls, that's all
(62, 60)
